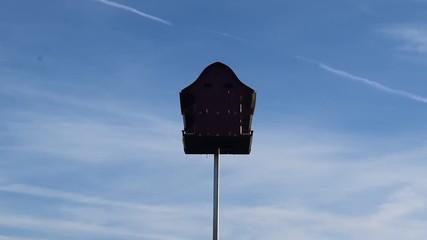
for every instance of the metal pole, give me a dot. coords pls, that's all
(216, 196)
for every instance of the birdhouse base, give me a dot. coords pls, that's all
(194, 144)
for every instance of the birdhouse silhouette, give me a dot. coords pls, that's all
(217, 109)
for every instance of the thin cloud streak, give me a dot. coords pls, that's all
(79, 198)
(52, 225)
(374, 84)
(133, 10)
(223, 34)
(4, 237)
(371, 83)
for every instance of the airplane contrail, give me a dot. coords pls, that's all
(133, 10)
(223, 34)
(366, 81)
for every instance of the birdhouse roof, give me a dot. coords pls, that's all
(217, 74)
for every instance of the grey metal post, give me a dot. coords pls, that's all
(216, 196)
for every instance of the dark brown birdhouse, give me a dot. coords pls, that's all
(217, 110)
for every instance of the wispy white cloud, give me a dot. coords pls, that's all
(368, 82)
(104, 105)
(413, 38)
(75, 197)
(93, 140)
(84, 214)
(77, 228)
(310, 157)
(79, 136)
(339, 196)
(134, 10)
(309, 161)
(4, 237)
(393, 217)
(297, 222)
(223, 34)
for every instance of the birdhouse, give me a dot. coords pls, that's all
(217, 109)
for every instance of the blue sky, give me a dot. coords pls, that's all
(90, 143)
